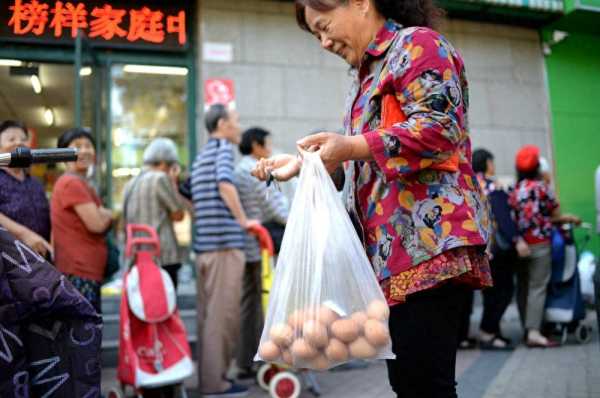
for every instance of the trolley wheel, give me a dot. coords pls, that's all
(583, 334)
(114, 393)
(285, 385)
(265, 374)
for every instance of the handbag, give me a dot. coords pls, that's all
(113, 259)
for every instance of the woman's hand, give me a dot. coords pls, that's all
(36, 242)
(523, 249)
(281, 167)
(570, 219)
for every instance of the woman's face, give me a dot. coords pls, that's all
(12, 138)
(86, 154)
(342, 30)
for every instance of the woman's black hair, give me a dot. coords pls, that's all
(72, 134)
(250, 136)
(480, 160)
(529, 175)
(9, 124)
(405, 12)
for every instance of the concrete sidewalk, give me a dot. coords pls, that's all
(570, 371)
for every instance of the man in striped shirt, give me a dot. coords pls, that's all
(263, 204)
(220, 222)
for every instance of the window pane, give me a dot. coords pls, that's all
(146, 103)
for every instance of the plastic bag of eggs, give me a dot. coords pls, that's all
(322, 338)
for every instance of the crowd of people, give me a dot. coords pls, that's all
(415, 192)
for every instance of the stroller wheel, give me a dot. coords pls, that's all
(114, 393)
(583, 334)
(265, 374)
(285, 385)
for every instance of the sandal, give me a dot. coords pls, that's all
(538, 344)
(467, 344)
(496, 343)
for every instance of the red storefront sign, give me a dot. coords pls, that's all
(118, 22)
(219, 91)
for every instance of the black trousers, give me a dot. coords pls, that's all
(464, 317)
(424, 333)
(496, 299)
(173, 270)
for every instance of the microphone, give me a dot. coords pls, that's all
(23, 157)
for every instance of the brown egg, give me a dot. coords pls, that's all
(310, 314)
(336, 351)
(302, 350)
(345, 330)
(360, 318)
(378, 310)
(361, 349)
(320, 363)
(282, 334)
(287, 358)
(327, 316)
(269, 351)
(296, 319)
(315, 333)
(377, 333)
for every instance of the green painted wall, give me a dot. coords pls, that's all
(573, 72)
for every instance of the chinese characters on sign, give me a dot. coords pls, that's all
(65, 18)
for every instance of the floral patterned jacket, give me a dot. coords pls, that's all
(412, 209)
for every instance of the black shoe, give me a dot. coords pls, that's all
(246, 374)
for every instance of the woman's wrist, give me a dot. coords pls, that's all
(359, 148)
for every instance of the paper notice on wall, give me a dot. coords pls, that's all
(217, 52)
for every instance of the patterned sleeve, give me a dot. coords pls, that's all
(224, 162)
(167, 194)
(427, 77)
(551, 199)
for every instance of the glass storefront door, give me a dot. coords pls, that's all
(146, 102)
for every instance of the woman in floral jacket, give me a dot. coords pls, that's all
(408, 175)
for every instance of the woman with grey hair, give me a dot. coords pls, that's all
(152, 198)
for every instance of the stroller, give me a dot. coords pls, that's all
(565, 308)
(154, 354)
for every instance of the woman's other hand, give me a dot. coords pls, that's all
(523, 249)
(281, 167)
(36, 242)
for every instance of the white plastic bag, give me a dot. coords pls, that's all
(587, 267)
(325, 306)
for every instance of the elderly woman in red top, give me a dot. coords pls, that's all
(79, 221)
(408, 175)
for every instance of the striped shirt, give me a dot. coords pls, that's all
(151, 199)
(259, 202)
(216, 228)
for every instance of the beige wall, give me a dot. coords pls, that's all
(286, 83)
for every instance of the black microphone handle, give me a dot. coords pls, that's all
(24, 157)
(53, 155)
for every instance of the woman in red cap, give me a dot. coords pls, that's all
(536, 209)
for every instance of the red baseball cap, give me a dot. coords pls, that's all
(528, 158)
